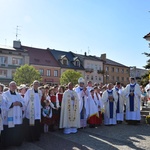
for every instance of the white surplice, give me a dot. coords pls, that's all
(107, 119)
(16, 110)
(133, 115)
(37, 104)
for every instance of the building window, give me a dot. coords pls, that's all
(127, 71)
(112, 69)
(122, 70)
(99, 78)
(95, 77)
(77, 63)
(3, 73)
(127, 79)
(48, 72)
(91, 77)
(107, 69)
(3, 60)
(117, 78)
(95, 67)
(117, 69)
(122, 78)
(55, 73)
(87, 77)
(41, 72)
(65, 62)
(16, 61)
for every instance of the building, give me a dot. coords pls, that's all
(10, 59)
(67, 60)
(93, 67)
(137, 72)
(114, 71)
(43, 60)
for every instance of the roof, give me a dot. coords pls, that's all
(87, 57)
(147, 36)
(40, 57)
(111, 62)
(69, 55)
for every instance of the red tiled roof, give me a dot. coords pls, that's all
(40, 57)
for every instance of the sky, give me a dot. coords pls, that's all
(114, 27)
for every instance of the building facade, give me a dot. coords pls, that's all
(115, 72)
(10, 59)
(44, 62)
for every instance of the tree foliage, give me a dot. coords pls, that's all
(26, 74)
(70, 76)
(145, 78)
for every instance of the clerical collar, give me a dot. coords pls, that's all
(81, 88)
(132, 84)
(35, 91)
(12, 92)
(109, 90)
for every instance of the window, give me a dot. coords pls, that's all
(117, 78)
(122, 70)
(100, 68)
(91, 77)
(107, 69)
(100, 78)
(3, 73)
(117, 69)
(127, 71)
(87, 77)
(48, 72)
(127, 79)
(16, 61)
(122, 78)
(95, 77)
(95, 67)
(3, 60)
(77, 63)
(41, 72)
(65, 62)
(112, 69)
(55, 73)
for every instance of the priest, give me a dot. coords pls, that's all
(132, 94)
(109, 99)
(12, 135)
(70, 115)
(32, 119)
(82, 92)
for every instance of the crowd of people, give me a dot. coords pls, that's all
(26, 112)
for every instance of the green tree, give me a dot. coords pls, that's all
(70, 76)
(26, 74)
(145, 77)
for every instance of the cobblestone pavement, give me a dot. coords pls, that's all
(122, 137)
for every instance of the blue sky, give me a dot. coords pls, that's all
(114, 27)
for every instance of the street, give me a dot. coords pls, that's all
(122, 136)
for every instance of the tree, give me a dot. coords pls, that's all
(145, 77)
(26, 74)
(70, 76)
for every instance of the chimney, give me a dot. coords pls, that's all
(85, 54)
(16, 44)
(103, 57)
